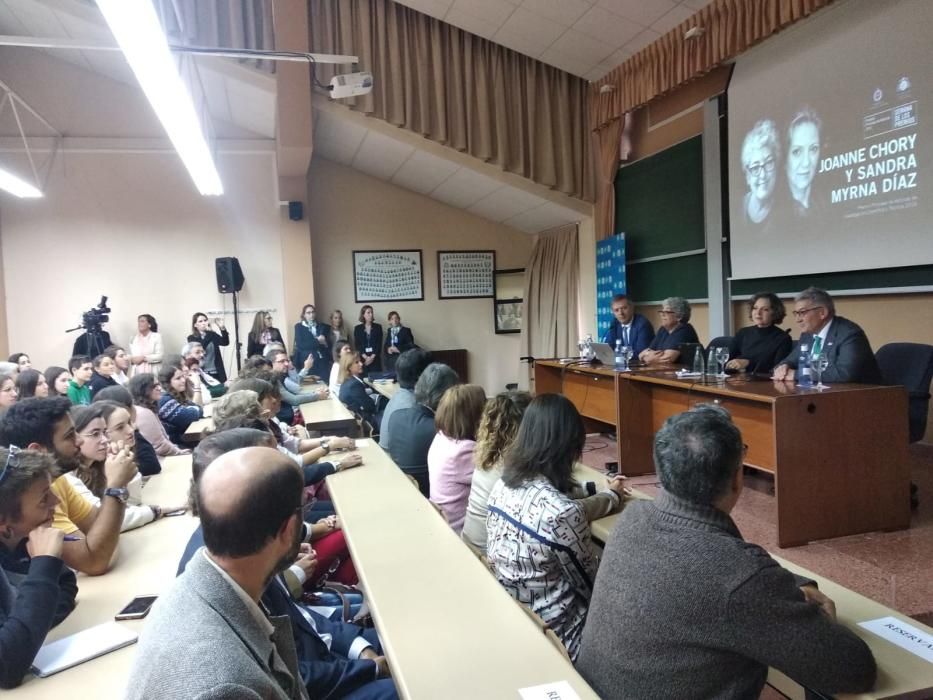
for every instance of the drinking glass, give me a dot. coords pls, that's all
(627, 352)
(818, 364)
(722, 357)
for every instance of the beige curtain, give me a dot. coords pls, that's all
(606, 151)
(238, 24)
(552, 276)
(463, 91)
(732, 26)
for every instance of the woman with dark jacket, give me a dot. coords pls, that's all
(760, 347)
(211, 341)
(102, 377)
(367, 341)
(398, 340)
(312, 338)
(353, 393)
(262, 334)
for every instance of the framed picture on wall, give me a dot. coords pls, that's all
(466, 274)
(387, 275)
(509, 316)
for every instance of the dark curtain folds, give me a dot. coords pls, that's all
(462, 91)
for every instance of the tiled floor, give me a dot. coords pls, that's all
(894, 568)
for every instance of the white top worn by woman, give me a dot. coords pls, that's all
(539, 546)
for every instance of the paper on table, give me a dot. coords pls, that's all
(560, 690)
(904, 635)
(80, 647)
(361, 443)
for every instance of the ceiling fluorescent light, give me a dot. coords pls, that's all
(137, 30)
(17, 187)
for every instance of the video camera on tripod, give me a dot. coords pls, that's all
(94, 339)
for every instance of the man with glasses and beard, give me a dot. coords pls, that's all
(46, 425)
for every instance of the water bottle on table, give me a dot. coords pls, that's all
(619, 357)
(804, 375)
(698, 368)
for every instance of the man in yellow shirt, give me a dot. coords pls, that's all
(46, 425)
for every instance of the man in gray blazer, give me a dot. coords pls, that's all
(843, 342)
(208, 637)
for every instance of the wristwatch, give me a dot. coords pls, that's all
(121, 494)
(325, 445)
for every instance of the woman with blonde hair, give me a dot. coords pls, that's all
(450, 457)
(262, 334)
(339, 329)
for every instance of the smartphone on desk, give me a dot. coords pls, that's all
(137, 608)
(174, 513)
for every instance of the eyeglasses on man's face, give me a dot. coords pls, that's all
(800, 313)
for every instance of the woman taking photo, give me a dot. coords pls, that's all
(31, 383)
(367, 339)
(262, 334)
(57, 379)
(146, 346)
(90, 479)
(312, 339)
(760, 347)
(211, 340)
(539, 543)
(177, 410)
(147, 392)
(450, 458)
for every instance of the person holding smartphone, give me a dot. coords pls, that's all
(211, 340)
(37, 590)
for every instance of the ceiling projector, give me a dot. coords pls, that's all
(350, 85)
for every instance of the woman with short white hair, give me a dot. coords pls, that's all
(675, 330)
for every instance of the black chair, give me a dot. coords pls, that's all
(687, 352)
(723, 341)
(910, 365)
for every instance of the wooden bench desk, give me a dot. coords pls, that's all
(385, 388)
(146, 561)
(326, 414)
(839, 456)
(449, 630)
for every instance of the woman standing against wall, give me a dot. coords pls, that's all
(262, 334)
(367, 337)
(146, 346)
(211, 341)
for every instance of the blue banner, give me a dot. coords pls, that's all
(610, 279)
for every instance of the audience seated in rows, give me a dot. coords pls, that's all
(58, 379)
(121, 362)
(147, 461)
(450, 457)
(675, 330)
(102, 374)
(408, 369)
(290, 391)
(842, 341)
(81, 368)
(683, 607)
(146, 392)
(355, 395)
(538, 536)
(177, 409)
(341, 348)
(31, 383)
(250, 502)
(46, 425)
(413, 429)
(105, 429)
(37, 590)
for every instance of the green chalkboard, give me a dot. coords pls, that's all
(918, 276)
(672, 277)
(659, 202)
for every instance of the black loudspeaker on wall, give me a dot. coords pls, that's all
(296, 211)
(229, 275)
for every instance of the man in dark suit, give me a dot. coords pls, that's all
(841, 340)
(632, 329)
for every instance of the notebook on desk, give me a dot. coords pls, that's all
(80, 647)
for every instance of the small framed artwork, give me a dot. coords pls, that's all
(466, 274)
(509, 316)
(387, 275)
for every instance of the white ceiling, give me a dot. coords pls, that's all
(234, 94)
(587, 38)
(414, 169)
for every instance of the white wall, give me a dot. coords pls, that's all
(132, 225)
(352, 211)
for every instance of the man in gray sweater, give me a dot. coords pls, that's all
(684, 608)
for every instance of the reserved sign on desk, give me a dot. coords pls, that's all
(905, 636)
(549, 691)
